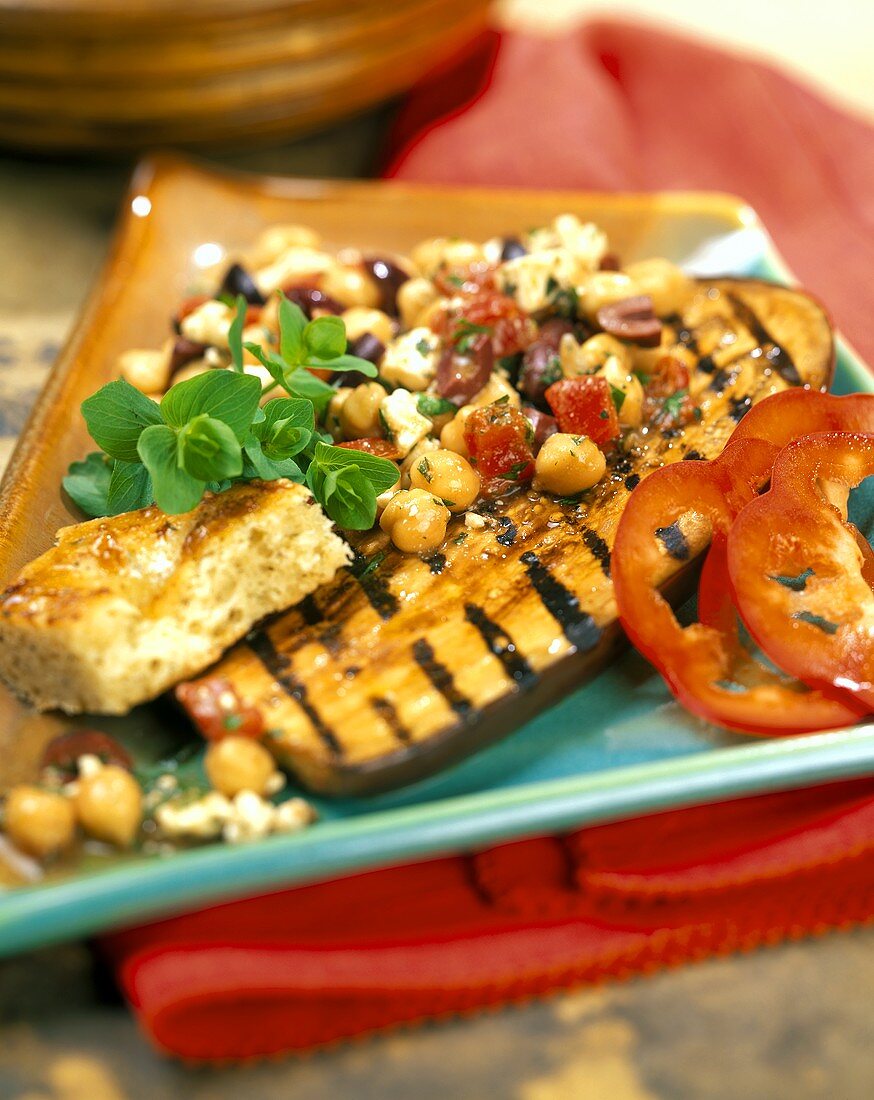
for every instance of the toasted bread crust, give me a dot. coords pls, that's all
(121, 608)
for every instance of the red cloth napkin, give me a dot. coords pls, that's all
(305, 967)
(609, 106)
(615, 106)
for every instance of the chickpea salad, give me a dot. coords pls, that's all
(408, 392)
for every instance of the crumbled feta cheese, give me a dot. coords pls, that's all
(410, 360)
(203, 818)
(208, 324)
(275, 783)
(584, 240)
(530, 279)
(474, 521)
(88, 765)
(251, 818)
(402, 422)
(166, 782)
(436, 252)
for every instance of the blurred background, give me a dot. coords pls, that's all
(310, 87)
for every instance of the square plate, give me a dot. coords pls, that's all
(619, 746)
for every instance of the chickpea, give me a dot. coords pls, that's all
(424, 447)
(383, 499)
(256, 334)
(147, 369)
(39, 822)
(351, 285)
(109, 805)
(280, 238)
(448, 476)
(452, 436)
(360, 321)
(631, 411)
(359, 413)
(601, 288)
(496, 389)
(568, 464)
(237, 764)
(335, 407)
(414, 296)
(415, 520)
(431, 254)
(191, 370)
(668, 286)
(590, 356)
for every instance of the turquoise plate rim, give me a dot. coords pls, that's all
(33, 916)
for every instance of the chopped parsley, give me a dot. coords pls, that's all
(618, 397)
(673, 405)
(460, 537)
(424, 469)
(423, 347)
(466, 333)
(430, 405)
(516, 470)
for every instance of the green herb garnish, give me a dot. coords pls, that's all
(618, 397)
(430, 405)
(673, 405)
(423, 347)
(466, 333)
(210, 432)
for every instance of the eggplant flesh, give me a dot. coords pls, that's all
(403, 664)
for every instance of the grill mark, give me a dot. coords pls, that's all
(780, 358)
(632, 481)
(740, 406)
(683, 335)
(707, 364)
(674, 541)
(693, 456)
(441, 678)
(331, 638)
(508, 536)
(277, 664)
(436, 563)
(310, 611)
(375, 588)
(501, 645)
(577, 626)
(598, 548)
(388, 713)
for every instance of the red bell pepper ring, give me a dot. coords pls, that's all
(794, 413)
(704, 664)
(797, 571)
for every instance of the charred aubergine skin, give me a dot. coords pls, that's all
(402, 665)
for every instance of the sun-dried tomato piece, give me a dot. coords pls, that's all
(584, 406)
(214, 706)
(382, 448)
(490, 311)
(666, 400)
(500, 441)
(62, 753)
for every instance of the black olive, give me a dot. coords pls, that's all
(512, 249)
(237, 280)
(388, 277)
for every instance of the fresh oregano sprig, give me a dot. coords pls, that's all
(210, 431)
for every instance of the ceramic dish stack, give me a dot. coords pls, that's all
(123, 74)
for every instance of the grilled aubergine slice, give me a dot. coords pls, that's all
(402, 665)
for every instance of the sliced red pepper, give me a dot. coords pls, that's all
(704, 664)
(500, 441)
(794, 413)
(797, 572)
(584, 406)
(214, 706)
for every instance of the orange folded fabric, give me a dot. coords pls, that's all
(610, 106)
(306, 967)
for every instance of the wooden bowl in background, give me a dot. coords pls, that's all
(119, 75)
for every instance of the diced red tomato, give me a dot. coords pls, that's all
(500, 441)
(465, 278)
(510, 327)
(666, 400)
(584, 406)
(214, 706)
(382, 448)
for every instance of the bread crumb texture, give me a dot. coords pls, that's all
(120, 609)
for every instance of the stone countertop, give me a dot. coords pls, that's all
(792, 1021)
